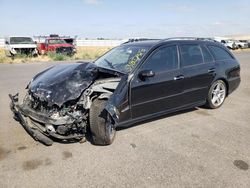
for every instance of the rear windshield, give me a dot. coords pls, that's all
(219, 53)
(21, 40)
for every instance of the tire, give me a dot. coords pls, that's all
(216, 94)
(101, 124)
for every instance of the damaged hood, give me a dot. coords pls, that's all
(62, 83)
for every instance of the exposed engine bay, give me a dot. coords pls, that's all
(57, 103)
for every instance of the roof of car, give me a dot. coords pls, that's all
(146, 42)
(8, 37)
(152, 42)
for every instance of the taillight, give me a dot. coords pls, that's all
(235, 72)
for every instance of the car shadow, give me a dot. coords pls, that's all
(158, 118)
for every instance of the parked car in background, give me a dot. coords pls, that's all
(57, 44)
(240, 44)
(247, 42)
(133, 82)
(230, 44)
(20, 45)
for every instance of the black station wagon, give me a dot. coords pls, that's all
(135, 81)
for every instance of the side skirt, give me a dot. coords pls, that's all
(130, 122)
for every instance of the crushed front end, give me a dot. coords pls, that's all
(57, 102)
(54, 107)
(45, 124)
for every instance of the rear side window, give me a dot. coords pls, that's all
(219, 53)
(163, 59)
(190, 54)
(206, 55)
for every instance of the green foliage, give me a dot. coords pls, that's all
(57, 57)
(4, 59)
(83, 53)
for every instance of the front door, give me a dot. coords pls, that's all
(157, 85)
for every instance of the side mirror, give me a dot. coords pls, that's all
(6, 42)
(146, 74)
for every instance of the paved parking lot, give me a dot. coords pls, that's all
(194, 148)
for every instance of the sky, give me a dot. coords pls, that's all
(125, 18)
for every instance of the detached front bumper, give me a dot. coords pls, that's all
(33, 132)
(27, 117)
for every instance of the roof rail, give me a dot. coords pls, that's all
(189, 38)
(138, 39)
(169, 39)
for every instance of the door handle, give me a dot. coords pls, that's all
(180, 77)
(212, 70)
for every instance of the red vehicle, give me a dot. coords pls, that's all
(56, 44)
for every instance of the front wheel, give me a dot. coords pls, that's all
(216, 94)
(101, 124)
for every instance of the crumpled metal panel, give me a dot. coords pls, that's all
(62, 83)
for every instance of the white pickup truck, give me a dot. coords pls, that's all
(229, 44)
(20, 45)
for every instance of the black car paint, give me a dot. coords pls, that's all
(194, 87)
(134, 99)
(65, 82)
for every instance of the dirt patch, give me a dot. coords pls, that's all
(201, 168)
(47, 162)
(241, 164)
(35, 163)
(67, 155)
(32, 164)
(133, 145)
(195, 136)
(3, 153)
(202, 112)
(21, 148)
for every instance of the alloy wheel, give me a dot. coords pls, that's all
(218, 94)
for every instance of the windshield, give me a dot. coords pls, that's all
(122, 58)
(57, 41)
(21, 40)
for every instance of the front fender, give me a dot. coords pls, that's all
(113, 111)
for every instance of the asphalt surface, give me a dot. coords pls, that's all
(194, 148)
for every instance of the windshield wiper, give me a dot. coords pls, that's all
(109, 63)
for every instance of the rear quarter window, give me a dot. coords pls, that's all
(206, 55)
(219, 53)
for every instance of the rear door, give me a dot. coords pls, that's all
(198, 70)
(160, 91)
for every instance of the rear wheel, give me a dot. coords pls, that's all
(101, 124)
(216, 94)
